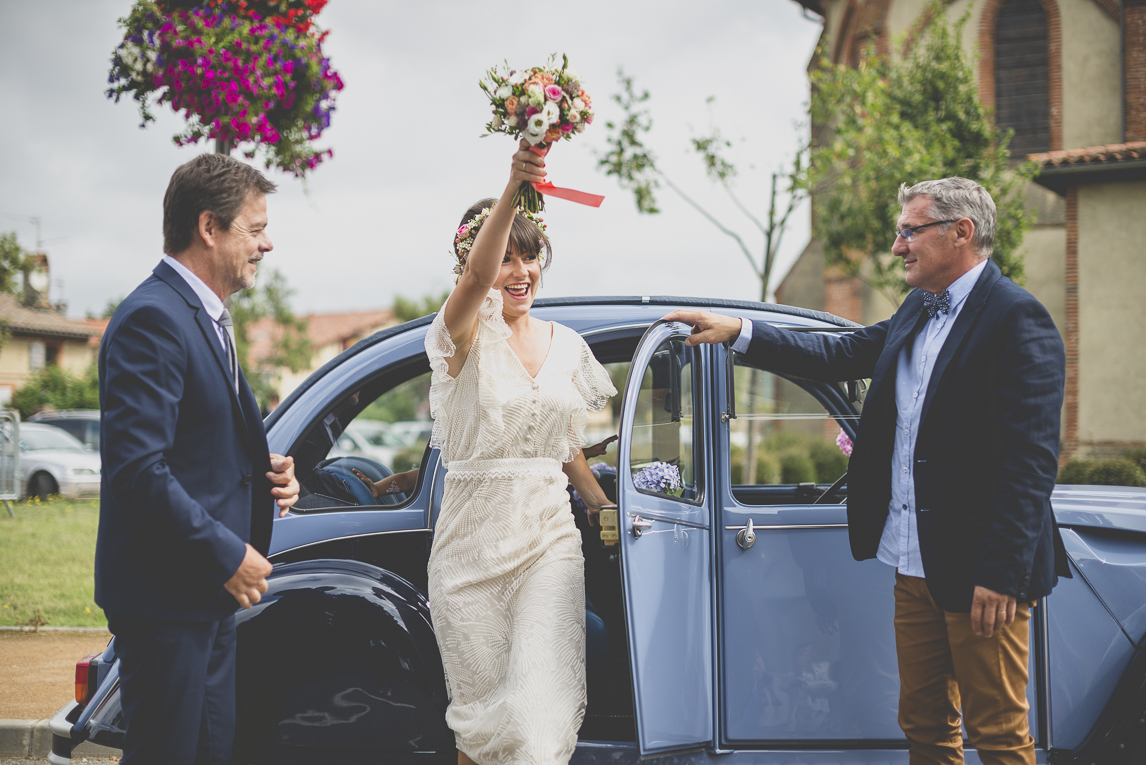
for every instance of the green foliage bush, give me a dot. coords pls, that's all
(791, 458)
(57, 388)
(1104, 472)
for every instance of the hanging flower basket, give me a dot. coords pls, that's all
(249, 75)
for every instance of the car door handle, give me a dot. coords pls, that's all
(640, 526)
(746, 537)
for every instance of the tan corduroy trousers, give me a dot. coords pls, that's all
(945, 667)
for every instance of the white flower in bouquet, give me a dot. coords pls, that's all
(517, 77)
(578, 104)
(504, 92)
(534, 90)
(496, 123)
(574, 117)
(511, 120)
(535, 128)
(580, 128)
(552, 112)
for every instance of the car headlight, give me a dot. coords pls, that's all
(78, 471)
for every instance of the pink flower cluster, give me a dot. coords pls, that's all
(235, 76)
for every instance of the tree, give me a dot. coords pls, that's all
(886, 122)
(14, 261)
(405, 309)
(635, 167)
(290, 343)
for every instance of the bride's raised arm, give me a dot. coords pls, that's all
(483, 265)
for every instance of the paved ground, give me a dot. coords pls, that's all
(38, 670)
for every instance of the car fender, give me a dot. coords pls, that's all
(339, 655)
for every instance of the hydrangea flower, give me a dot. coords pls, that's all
(661, 477)
(844, 443)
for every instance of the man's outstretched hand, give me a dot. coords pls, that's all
(248, 584)
(707, 327)
(281, 475)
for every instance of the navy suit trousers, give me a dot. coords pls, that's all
(178, 689)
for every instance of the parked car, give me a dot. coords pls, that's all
(363, 440)
(52, 461)
(81, 423)
(738, 627)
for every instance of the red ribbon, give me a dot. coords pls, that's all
(580, 197)
(571, 195)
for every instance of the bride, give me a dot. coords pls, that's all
(510, 396)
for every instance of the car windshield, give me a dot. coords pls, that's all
(48, 438)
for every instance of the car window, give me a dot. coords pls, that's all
(782, 434)
(664, 457)
(383, 438)
(48, 438)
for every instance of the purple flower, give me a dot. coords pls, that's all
(844, 443)
(660, 477)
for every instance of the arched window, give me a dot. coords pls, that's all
(1022, 83)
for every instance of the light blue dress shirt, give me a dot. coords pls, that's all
(899, 545)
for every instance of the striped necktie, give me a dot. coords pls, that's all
(229, 335)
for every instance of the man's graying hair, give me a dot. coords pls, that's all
(212, 182)
(954, 198)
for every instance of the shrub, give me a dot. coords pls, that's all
(1108, 472)
(797, 467)
(57, 388)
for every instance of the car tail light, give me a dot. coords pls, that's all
(87, 673)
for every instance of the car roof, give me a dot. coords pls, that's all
(578, 304)
(66, 414)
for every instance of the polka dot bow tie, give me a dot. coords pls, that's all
(936, 304)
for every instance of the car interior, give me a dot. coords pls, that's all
(785, 448)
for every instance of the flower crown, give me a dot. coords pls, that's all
(467, 234)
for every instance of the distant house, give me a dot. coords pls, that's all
(330, 334)
(40, 336)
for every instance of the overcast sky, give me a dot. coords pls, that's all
(378, 219)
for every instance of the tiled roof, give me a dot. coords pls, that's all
(1116, 152)
(322, 328)
(99, 326)
(1064, 170)
(19, 318)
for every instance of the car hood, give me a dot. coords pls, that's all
(1104, 507)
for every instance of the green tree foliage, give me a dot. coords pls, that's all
(903, 121)
(407, 310)
(635, 167)
(14, 261)
(290, 347)
(56, 388)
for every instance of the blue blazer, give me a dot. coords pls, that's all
(986, 454)
(184, 482)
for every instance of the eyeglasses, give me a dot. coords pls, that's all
(908, 232)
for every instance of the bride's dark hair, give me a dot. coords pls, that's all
(525, 236)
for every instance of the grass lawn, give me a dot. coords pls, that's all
(47, 557)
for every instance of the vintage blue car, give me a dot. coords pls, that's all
(727, 619)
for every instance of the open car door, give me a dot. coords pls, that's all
(665, 513)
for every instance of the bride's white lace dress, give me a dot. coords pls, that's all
(506, 576)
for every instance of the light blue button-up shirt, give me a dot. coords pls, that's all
(899, 545)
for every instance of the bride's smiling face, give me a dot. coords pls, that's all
(518, 282)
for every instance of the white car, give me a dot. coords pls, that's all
(53, 461)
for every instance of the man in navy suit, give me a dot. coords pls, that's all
(953, 466)
(189, 489)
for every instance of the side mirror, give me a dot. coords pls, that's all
(857, 391)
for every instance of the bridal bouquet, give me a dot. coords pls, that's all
(542, 104)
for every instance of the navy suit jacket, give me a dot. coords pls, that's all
(184, 484)
(986, 454)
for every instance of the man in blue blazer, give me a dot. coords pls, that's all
(953, 466)
(189, 489)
